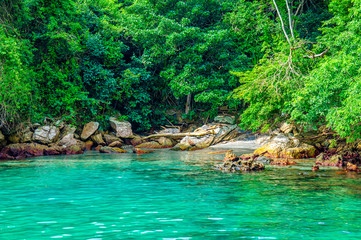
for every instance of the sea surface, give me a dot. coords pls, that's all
(173, 195)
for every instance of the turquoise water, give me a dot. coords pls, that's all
(173, 195)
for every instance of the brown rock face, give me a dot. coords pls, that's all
(88, 130)
(22, 150)
(88, 145)
(116, 144)
(110, 138)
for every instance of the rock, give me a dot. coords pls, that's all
(152, 144)
(26, 136)
(263, 140)
(315, 168)
(334, 161)
(116, 144)
(264, 160)
(46, 134)
(352, 167)
(2, 140)
(136, 140)
(54, 150)
(165, 142)
(225, 119)
(97, 148)
(105, 149)
(230, 157)
(122, 129)
(181, 147)
(232, 163)
(74, 149)
(98, 139)
(68, 129)
(287, 128)
(247, 156)
(303, 151)
(68, 140)
(23, 150)
(282, 162)
(60, 124)
(110, 138)
(88, 130)
(14, 138)
(141, 151)
(88, 145)
(282, 146)
(222, 132)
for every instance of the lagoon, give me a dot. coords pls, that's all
(173, 195)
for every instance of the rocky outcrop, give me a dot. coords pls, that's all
(88, 130)
(152, 144)
(116, 144)
(122, 129)
(141, 151)
(46, 134)
(282, 146)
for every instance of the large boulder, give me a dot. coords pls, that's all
(106, 149)
(88, 130)
(282, 146)
(68, 140)
(122, 129)
(46, 134)
(165, 142)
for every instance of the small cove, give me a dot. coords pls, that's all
(173, 195)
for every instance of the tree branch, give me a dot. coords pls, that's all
(283, 25)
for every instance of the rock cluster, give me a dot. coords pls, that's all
(232, 163)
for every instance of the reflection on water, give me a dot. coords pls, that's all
(173, 195)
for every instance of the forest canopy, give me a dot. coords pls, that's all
(268, 61)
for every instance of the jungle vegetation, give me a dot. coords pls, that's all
(269, 61)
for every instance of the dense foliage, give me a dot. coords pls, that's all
(146, 60)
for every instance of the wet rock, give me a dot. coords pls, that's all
(55, 150)
(232, 163)
(282, 162)
(352, 167)
(122, 129)
(116, 144)
(225, 119)
(88, 130)
(315, 168)
(141, 151)
(23, 150)
(110, 138)
(98, 139)
(75, 149)
(264, 160)
(152, 144)
(303, 151)
(105, 149)
(333, 161)
(46, 134)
